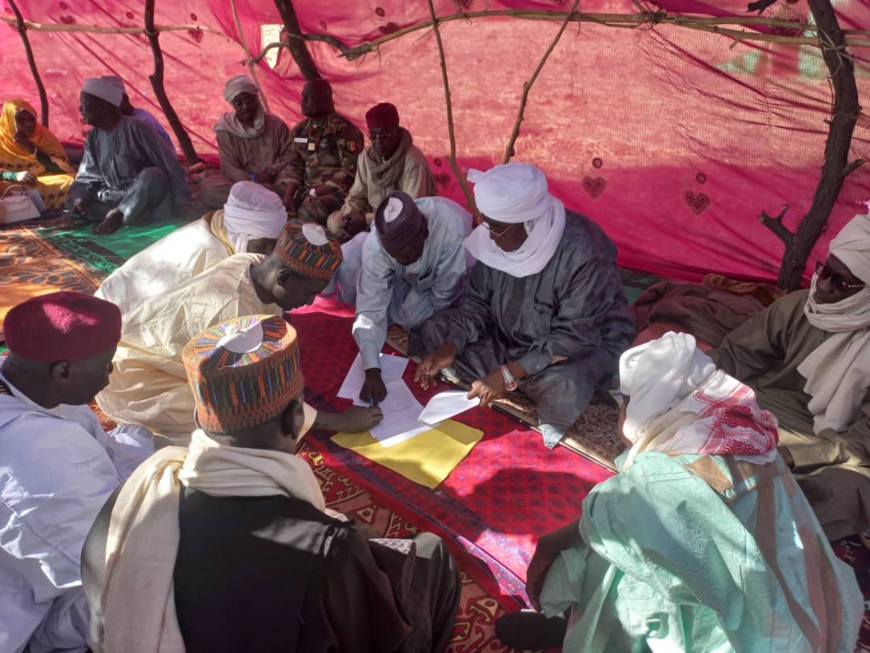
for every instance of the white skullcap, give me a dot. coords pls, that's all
(103, 89)
(116, 81)
(242, 341)
(657, 375)
(314, 234)
(511, 193)
(393, 209)
(852, 246)
(238, 85)
(253, 211)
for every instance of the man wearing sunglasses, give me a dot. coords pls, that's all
(544, 311)
(808, 358)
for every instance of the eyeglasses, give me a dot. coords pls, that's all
(838, 282)
(497, 233)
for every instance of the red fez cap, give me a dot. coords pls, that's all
(383, 115)
(62, 326)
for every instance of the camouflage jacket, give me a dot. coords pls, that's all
(325, 151)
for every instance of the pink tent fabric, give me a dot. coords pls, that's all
(673, 139)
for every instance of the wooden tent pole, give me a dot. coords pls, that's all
(296, 43)
(463, 184)
(248, 59)
(836, 167)
(527, 86)
(22, 30)
(160, 91)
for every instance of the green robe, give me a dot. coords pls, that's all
(702, 554)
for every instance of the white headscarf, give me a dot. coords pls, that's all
(252, 212)
(516, 193)
(229, 122)
(681, 404)
(838, 371)
(103, 88)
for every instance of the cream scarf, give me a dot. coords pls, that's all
(138, 598)
(838, 371)
(229, 122)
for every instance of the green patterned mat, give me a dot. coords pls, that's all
(104, 253)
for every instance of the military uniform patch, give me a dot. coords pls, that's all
(351, 146)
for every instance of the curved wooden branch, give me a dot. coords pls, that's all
(463, 184)
(21, 26)
(509, 150)
(160, 91)
(252, 69)
(774, 223)
(296, 45)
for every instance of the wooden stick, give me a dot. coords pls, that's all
(297, 46)
(528, 85)
(463, 184)
(96, 29)
(252, 69)
(20, 25)
(774, 223)
(160, 90)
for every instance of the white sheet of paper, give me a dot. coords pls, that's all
(401, 410)
(445, 405)
(392, 369)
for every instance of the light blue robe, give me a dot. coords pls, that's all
(703, 554)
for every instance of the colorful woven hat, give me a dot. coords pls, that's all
(243, 372)
(308, 249)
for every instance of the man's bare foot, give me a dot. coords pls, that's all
(111, 223)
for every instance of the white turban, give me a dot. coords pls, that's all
(238, 85)
(852, 246)
(516, 193)
(658, 375)
(104, 89)
(252, 212)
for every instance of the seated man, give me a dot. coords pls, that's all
(149, 386)
(58, 464)
(702, 542)
(251, 221)
(391, 162)
(544, 310)
(324, 158)
(229, 546)
(253, 145)
(806, 356)
(128, 175)
(127, 109)
(413, 266)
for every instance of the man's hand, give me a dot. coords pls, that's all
(488, 388)
(354, 223)
(358, 418)
(265, 176)
(290, 195)
(373, 390)
(430, 366)
(25, 177)
(323, 189)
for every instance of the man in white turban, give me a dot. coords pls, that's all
(808, 357)
(128, 175)
(701, 542)
(251, 221)
(545, 309)
(253, 145)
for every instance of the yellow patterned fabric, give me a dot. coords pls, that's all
(52, 186)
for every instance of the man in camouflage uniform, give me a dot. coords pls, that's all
(325, 150)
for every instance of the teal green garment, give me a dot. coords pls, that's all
(671, 564)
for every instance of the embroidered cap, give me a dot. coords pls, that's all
(308, 249)
(243, 372)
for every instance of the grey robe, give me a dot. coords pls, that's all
(130, 168)
(566, 325)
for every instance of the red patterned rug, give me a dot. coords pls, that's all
(493, 506)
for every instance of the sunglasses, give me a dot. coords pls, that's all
(837, 281)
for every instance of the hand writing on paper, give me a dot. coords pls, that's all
(373, 391)
(430, 366)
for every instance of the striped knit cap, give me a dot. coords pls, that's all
(308, 249)
(243, 372)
